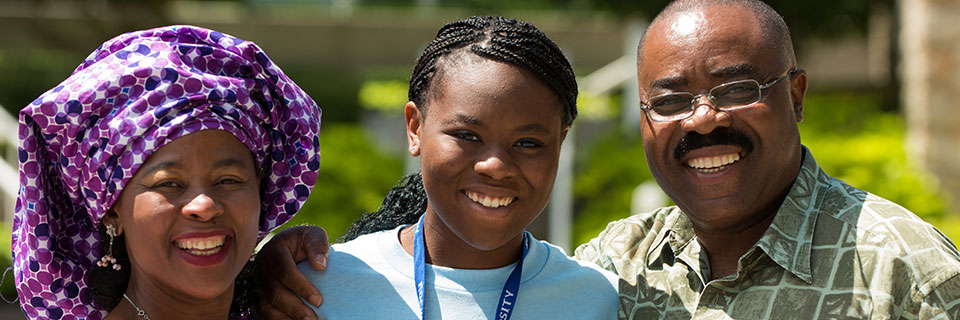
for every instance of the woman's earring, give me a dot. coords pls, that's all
(108, 260)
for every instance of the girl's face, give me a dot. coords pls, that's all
(489, 145)
(190, 216)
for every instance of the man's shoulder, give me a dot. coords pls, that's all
(881, 230)
(638, 227)
(878, 221)
(642, 224)
(626, 239)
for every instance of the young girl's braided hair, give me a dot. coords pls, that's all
(495, 38)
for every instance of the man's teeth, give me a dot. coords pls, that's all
(489, 202)
(202, 246)
(713, 164)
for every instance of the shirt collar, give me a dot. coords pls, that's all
(789, 238)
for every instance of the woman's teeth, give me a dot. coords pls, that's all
(713, 164)
(202, 246)
(489, 202)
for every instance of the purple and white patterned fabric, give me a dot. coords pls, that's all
(83, 140)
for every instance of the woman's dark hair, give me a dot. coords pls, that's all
(106, 286)
(496, 38)
(499, 39)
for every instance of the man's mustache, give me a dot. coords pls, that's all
(719, 136)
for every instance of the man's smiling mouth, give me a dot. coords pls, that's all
(713, 163)
(488, 201)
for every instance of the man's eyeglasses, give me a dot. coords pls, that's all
(725, 97)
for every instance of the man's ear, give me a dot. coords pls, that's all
(563, 135)
(413, 117)
(111, 218)
(798, 89)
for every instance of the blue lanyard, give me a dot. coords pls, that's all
(508, 298)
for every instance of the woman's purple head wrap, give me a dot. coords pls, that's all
(82, 141)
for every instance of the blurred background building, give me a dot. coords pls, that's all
(931, 81)
(881, 112)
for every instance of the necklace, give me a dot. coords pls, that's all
(140, 312)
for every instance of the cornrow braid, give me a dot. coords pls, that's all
(403, 205)
(500, 39)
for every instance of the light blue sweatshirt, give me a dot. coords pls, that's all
(371, 277)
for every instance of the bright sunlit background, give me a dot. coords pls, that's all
(879, 114)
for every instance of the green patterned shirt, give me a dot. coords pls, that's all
(831, 252)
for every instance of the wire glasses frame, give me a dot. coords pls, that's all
(725, 97)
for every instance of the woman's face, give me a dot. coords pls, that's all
(489, 145)
(190, 215)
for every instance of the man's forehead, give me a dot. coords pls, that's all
(719, 41)
(719, 73)
(686, 25)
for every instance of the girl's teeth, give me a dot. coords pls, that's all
(489, 202)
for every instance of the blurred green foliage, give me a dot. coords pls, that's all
(847, 133)
(331, 86)
(606, 174)
(591, 106)
(386, 96)
(352, 180)
(26, 74)
(7, 288)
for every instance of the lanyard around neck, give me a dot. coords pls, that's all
(508, 297)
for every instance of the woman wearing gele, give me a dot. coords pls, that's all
(149, 174)
(491, 100)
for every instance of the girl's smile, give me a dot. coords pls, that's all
(489, 141)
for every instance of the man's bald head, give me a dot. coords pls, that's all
(775, 31)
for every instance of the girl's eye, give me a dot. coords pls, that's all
(529, 143)
(465, 135)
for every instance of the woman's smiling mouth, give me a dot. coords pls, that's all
(488, 201)
(202, 246)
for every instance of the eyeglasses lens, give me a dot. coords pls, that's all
(725, 97)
